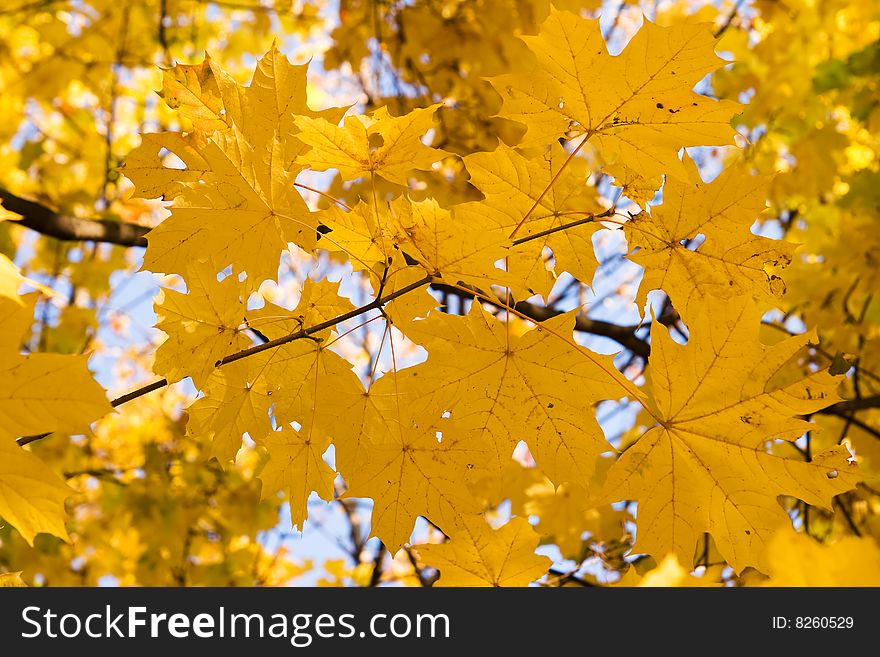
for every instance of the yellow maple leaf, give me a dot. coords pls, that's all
(31, 496)
(319, 302)
(458, 246)
(566, 512)
(296, 465)
(202, 325)
(232, 205)
(705, 466)
(636, 108)
(454, 246)
(403, 466)
(209, 323)
(667, 573)
(38, 393)
(355, 425)
(297, 381)
(307, 373)
(729, 262)
(195, 92)
(413, 305)
(10, 580)
(233, 404)
(381, 144)
(501, 388)
(636, 187)
(234, 202)
(477, 555)
(274, 99)
(16, 318)
(547, 191)
(797, 560)
(365, 234)
(265, 109)
(42, 392)
(49, 392)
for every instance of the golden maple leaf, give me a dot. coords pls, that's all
(197, 92)
(31, 495)
(380, 144)
(705, 466)
(566, 512)
(296, 466)
(477, 555)
(667, 573)
(231, 205)
(297, 381)
(234, 202)
(202, 325)
(501, 388)
(548, 192)
(42, 392)
(405, 468)
(454, 246)
(39, 393)
(235, 402)
(636, 108)
(798, 560)
(729, 262)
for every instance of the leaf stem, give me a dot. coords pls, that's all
(552, 182)
(324, 194)
(556, 229)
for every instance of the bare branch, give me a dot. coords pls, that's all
(43, 219)
(297, 335)
(624, 335)
(853, 405)
(729, 20)
(559, 577)
(591, 218)
(330, 323)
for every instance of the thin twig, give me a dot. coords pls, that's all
(297, 335)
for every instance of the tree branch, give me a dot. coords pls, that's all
(729, 20)
(623, 335)
(561, 578)
(46, 221)
(853, 405)
(375, 304)
(43, 219)
(589, 219)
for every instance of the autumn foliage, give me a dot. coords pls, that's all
(490, 292)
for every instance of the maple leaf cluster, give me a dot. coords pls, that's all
(419, 439)
(437, 439)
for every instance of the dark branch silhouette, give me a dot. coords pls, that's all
(47, 221)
